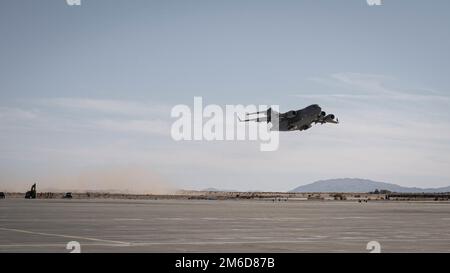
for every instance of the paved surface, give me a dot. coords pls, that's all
(222, 226)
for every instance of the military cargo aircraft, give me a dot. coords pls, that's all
(301, 120)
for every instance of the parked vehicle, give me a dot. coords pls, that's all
(67, 195)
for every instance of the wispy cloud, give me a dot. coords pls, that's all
(361, 86)
(151, 127)
(123, 107)
(15, 114)
(398, 97)
(87, 114)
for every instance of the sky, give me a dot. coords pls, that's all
(86, 92)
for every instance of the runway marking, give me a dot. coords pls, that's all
(265, 242)
(210, 243)
(257, 237)
(52, 245)
(352, 217)
(143, 244)
(165, 243)
(220, 243)
(128, 219)
(291, 218)
(64, 236)
(173, 219)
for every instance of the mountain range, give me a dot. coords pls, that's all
(361, 185)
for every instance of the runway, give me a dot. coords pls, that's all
(222, 226)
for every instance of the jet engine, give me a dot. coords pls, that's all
(329, 118)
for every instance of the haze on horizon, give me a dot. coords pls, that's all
(86, 92)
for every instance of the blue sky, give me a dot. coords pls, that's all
(86, 92)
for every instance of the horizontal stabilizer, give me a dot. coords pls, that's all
(253, 119)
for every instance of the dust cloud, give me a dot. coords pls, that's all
(113, 179)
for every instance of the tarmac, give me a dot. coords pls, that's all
(222, 226)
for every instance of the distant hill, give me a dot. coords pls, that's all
(361, 185)
(218, 190)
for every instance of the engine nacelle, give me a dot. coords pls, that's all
(329, 117)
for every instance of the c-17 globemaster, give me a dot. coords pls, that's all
(294, 120)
